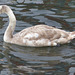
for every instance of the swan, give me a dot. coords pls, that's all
(35, 36)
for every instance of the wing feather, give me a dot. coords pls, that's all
(40, 35)
(42, 31)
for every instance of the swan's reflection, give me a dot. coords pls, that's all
(22, 60)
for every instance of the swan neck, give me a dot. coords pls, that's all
(10, 29)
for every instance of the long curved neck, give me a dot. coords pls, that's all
(10, 29)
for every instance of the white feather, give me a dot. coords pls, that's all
(32, 35)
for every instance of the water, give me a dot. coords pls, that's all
(18, 60)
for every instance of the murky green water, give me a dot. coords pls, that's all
(18, 60)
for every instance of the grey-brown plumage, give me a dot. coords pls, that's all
(39, 35)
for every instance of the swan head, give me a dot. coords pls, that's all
(4, 9)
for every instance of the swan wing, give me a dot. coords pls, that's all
(40, 35)
(38, 32)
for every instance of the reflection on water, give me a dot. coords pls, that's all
(19, 60)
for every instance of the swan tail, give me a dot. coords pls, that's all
(72, 34)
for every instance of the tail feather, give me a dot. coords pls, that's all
(72, 34)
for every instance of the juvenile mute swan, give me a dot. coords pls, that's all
(37, 36)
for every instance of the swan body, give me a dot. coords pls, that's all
(37, 36)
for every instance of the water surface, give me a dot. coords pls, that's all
(18, 60)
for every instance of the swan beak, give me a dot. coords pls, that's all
(0, 9)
